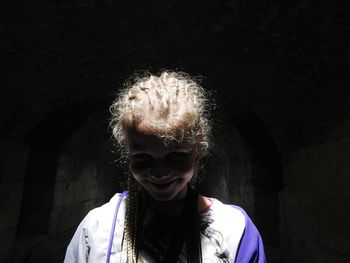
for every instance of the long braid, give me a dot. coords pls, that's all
(129, 241)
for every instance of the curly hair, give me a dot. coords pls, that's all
(172, 106)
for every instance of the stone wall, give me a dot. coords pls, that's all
(316, 202)
(75, 193)
(13, 163)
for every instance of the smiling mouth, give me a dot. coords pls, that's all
(163, 185)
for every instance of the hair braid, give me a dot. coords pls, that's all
(129, 242)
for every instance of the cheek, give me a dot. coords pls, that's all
(139, 167)
(138, 171)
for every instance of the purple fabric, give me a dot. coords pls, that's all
(125, 193)
(251, 248)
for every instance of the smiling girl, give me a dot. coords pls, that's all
(161, 124)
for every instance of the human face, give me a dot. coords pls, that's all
(163, 171)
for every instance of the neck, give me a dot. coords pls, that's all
(171, 208)
(160, 213)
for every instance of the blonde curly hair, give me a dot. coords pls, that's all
(172, 106)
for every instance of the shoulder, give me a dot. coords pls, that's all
(224, 231)
(92, 235)
(90, 240)
(251, 248)
(228, 215)
(241, 239)
(103, 216)
(109, 207)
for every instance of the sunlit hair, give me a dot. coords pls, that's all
(172, 106)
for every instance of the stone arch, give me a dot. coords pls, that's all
(63, 181)
(266, 177)
(50, 214)
(44, 142)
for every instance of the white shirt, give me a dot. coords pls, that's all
(91, 239)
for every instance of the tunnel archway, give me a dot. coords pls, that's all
(62, 181)
(266, 177)
(44, 142)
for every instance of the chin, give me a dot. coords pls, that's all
(163, 197)
(176, 190)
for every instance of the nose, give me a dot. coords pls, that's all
(159, 170)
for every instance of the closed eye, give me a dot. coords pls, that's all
(141, 157)
(141, 161)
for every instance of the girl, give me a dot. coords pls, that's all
(162, 127)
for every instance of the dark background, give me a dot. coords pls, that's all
(279, 71)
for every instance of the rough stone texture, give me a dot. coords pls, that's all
(317, 203)
(13, 162)
(8, 232)
(66, 218)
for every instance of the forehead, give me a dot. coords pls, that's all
(144, 139)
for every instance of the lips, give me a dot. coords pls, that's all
(162, 184)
